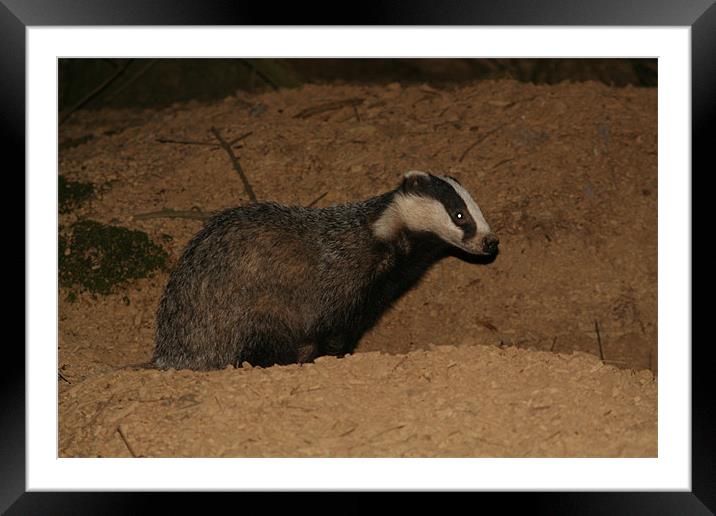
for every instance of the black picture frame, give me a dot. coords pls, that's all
(17, 15)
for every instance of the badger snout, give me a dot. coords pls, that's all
(486, 245)
(489, 243)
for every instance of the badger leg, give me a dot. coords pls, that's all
(339, 344)
(306, 352)
(272, 352)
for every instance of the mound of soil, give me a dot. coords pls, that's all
(467, 401)
(565, 174)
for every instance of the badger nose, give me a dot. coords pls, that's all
(489, 243)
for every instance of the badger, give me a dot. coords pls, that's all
(270, 284)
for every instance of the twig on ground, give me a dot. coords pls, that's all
(129, 81)
(92, 94)
(314, 201)
(100, 407)
(235, 162)
(63, 377)
(255, 69)
(480, 140)
(510, 103)
(187, 142)
(120, 430)
(173, 214)
(554, 343)
(554, 434)
(207, 144)
(487, 324)
(350, 430)
(239, 138)
(329, 106)
(599, 340)
(502, 163)
(392, 428)
(471, 283)
(429, 96)
(399, 363)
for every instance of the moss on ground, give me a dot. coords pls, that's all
(72, 193)
(98, 257)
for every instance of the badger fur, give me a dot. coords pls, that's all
(270, 284)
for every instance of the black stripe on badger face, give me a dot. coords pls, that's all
(428, 185)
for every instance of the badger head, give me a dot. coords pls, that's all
(438, 205)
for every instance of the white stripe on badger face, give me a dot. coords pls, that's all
(426, 214)
(482, 226)
(417, 213)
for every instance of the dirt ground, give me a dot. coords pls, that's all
(475, 361)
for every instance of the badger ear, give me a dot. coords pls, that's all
(414, 180)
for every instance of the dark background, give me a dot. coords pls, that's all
(121, 83)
